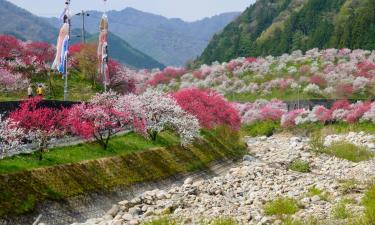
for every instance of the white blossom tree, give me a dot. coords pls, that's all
(163, 113)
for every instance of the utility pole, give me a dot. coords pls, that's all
(83, 14)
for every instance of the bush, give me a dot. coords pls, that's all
(299, 166)
(281, 206)
(349, 151)
(263, 128)
(209, 107)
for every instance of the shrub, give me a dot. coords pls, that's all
(289, 119)
(281, 206)
(262, 128)
(209, 107)
(299, 166)
(349, 151)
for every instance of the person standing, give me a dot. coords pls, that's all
(30, 91)
(40, 91)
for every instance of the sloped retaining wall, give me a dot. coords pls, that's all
(75, 192)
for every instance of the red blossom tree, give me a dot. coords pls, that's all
(209, 107)
(40, 124)
(10, 47)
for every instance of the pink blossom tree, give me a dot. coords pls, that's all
(100, 119)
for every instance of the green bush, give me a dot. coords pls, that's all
(263, 128)
(369, 202)
(299, 166)
(349, 151)
(281, 206)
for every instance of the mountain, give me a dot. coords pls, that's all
(24, 25)
(170, 41)
(274, 27)
(27, 26)
(123, 52)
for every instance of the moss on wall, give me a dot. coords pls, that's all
(20, 192)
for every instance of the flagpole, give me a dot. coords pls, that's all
(105, 53)
(66, 91)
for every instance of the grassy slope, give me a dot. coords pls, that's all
(88, 151)
(79, 88)
(21, 191)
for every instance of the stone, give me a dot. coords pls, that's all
(248, 158)
(127, 217)
(135, 211)
(134, 222)
(113, 211)
(188, 181)
(315, 198)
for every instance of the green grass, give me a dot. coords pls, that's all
(349, 151)
(263, 128)
(299, 166)
(161, 221)
(224, 221)
(80, 89)
(170, 221)
(310, 221)
(285, 95)
(348, 186)
(369, 202)
(120, 145)
(340, 210)
(281, 206)
(313, 191)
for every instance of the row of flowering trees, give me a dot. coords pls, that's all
(109, 113)
(329, 73)
(21, 61)
(276, 110)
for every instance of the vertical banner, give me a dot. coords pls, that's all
(103, 49)
(62, 44)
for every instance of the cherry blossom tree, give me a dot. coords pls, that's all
(209, 107)
(11, 82)
(101, 119)
(163, 113)
(11, 138)
(40, 124)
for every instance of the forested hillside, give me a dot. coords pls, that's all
(274, 27)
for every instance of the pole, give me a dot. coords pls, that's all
(83, 27)
(66, 92)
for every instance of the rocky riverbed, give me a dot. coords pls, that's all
(263, 177)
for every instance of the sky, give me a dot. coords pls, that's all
(188, 10)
